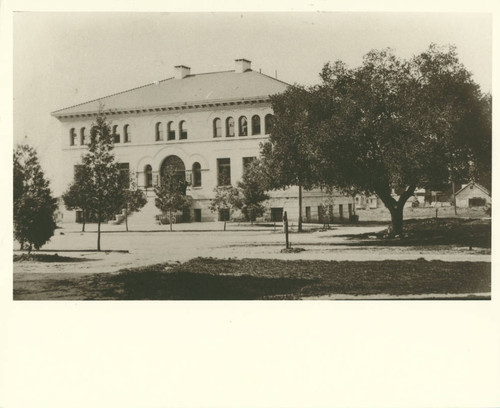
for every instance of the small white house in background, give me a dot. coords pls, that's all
(472, 195)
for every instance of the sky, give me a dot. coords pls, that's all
(65, 58)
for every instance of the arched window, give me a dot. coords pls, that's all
(116, 135)
(255, 125)
(268, 122)
(148, 176)
(171, 131)
(72, 137)
(196, 174)
(127, 136)
(159, 132)
(83, 137)
(242, 126)
(217, 127)
(183, 130)
(230, 127)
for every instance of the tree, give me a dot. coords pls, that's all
(395, 125)
(34, 206)
(253, 188)
(171, 192)
(226, 198)
(79, 194)
(103, 182)
(133, 200)
(287, 157)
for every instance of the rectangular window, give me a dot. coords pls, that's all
(330, 212)
(320, 215)
(247, 161)
(341, 211)
(224, 172)
(277, 214)
(308, 214)
(197, 215)
(224, 214)
(124, 174)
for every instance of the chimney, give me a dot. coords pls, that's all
(242, 65)
(181, 71)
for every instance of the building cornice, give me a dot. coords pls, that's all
(165, 108)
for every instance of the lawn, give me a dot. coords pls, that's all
(253, 279)
(434, 231)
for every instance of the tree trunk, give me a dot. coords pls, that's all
(170, 219)
(300, 209)
(397, 220)
(396, 208)
(126, 220)
(83, 223)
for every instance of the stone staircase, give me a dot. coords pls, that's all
(146, 217)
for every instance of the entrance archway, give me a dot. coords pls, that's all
(175, 164)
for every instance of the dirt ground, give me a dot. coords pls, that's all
(122, 249)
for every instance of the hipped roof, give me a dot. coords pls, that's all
(191, 91)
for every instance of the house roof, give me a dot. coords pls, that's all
(191, 91)
(479, 186)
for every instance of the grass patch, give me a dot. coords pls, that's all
(434, 231)
(46, 258)
(247, 279)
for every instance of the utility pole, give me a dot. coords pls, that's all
(454, 198)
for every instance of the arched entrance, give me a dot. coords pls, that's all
(173, 164)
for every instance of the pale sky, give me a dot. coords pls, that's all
(62, 59)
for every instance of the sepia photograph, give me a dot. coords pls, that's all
(298, 156)
(234, 204)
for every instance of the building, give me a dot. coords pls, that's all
(209, 126)
(472, 195)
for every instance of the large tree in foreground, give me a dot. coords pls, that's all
(34, 205)
(392, 125)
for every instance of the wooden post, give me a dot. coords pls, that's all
(300, 209)
(285, 218)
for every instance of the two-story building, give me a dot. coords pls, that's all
(209, 126)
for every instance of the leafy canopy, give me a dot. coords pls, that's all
(34, 206)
